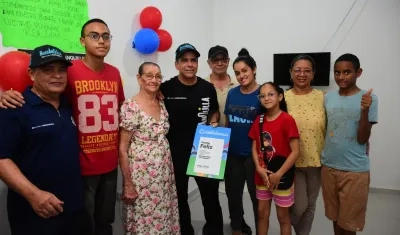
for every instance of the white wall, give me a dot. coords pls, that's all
(122, 18)
(371, 30)
(193, 26)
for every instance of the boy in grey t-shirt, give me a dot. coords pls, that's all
(351, 112)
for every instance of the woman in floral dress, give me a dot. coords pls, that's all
(149, 191)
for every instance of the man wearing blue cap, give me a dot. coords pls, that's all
(191, 100)
(39, 153)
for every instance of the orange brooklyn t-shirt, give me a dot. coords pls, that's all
(96, 97)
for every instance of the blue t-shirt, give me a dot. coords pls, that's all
(43, 143)
(241, 110)
(342, 150)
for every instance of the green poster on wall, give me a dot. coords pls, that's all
(31, 23)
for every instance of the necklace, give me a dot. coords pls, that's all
(151, 99)
(250, 90)
(37, 93)
(304, 92)
(273, 117)
(55, 103)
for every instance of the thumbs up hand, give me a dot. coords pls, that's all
(366, 100)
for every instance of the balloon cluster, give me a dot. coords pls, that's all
(151, 38)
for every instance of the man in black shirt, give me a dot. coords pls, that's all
(191, 100)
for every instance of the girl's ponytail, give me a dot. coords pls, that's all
(282, 103)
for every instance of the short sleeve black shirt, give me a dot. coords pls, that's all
(187, 106)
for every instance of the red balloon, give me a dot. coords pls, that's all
(151, 18)
(165, 40)
(14, 71)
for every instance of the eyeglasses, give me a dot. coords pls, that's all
(264, 96)
(149, 77)
(222, 60)
(95, 36)
(305, 71)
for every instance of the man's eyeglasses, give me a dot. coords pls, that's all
(264, 96)
(95, 36)
(149, 77)
(222, 60)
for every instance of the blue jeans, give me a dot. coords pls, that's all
(239, 170)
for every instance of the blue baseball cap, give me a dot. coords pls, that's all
(46, 54)
(185, 48)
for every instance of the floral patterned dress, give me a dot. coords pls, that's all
(155, 211)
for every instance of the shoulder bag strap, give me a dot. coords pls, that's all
(261, 136)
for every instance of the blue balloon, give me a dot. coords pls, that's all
(146, 41)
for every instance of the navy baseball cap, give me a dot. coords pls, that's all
(185, 48)
(217, 50)
(46, 54)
